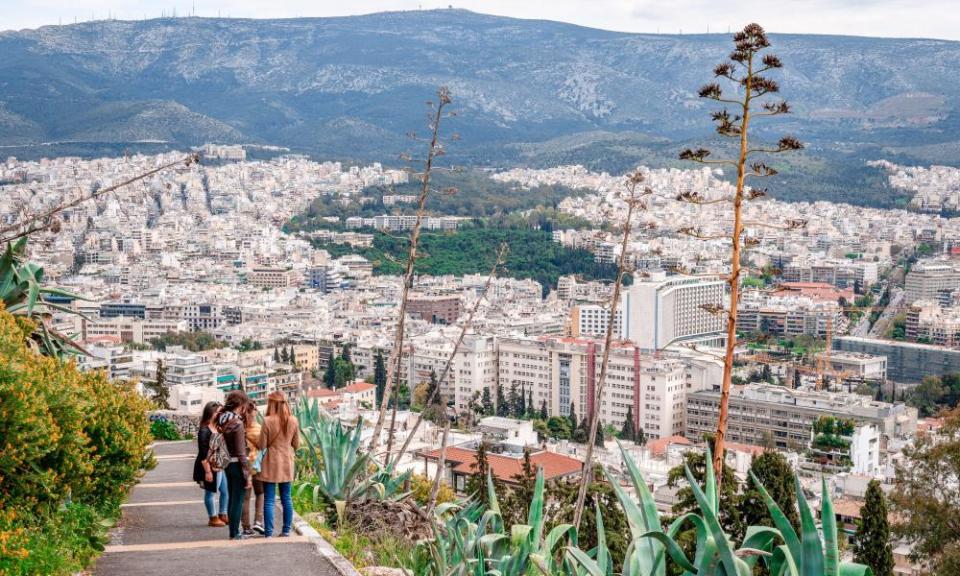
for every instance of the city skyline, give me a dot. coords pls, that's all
(877, 18)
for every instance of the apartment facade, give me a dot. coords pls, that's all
(759, 413)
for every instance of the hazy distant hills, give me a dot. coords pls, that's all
(528, 92)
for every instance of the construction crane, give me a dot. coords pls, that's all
(822, 366)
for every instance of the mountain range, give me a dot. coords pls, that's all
(526, 92)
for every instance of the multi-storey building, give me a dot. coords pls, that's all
(272, 278)
(434, 309)
(931, 280)
(126, 329)
(761, 413)
(662, 310)
(787, 315)
(931, 323)
(324, 278)
(191, 370)
(563, 372)
(592, 320)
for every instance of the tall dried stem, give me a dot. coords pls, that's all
(396, 354)
(501, 256)
(634, 199)
(745, 71)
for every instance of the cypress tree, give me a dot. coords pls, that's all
(345, 353)
(628, 432)
(330, 376)
(530, 409)
(522, 402)
(503, 409)
(487, 403)
(543, 410)
(574, 423)
(796, 379)
(598, 439)
(276, 355)
(284, 356)
(379, 376)
(871, 544)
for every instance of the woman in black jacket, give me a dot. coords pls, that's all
(210, 482)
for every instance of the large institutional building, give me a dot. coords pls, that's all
(662, 310)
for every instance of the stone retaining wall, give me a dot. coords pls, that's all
(186, 424)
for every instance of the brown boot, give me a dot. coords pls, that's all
(224, 519)
(216, 522)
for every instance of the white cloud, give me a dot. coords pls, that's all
(901, 18)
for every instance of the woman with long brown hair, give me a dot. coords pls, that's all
(280, 437)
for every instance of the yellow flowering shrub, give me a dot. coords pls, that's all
(66, 438)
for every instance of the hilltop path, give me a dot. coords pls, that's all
(164, 532)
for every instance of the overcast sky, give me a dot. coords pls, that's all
(902, 18)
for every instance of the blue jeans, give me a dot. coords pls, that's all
(269, 501)
(220, 481)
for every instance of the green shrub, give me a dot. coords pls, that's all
(163, 429)
(71, 445)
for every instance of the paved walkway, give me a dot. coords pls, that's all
(164, 532)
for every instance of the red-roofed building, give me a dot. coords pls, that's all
(357, 393)
(817, 291)
(461, 462)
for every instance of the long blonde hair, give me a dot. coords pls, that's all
(277, 406)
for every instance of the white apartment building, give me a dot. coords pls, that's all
(662, 310)
(191, 370)
(474, 369)
(931, 279)
(592, 320)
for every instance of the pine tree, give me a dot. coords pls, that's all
(628, 431)
(488, 409)
(503, 408)
(284, 355)
(379, 375)
(871, 544)
(543, 410)
(777, 477)
(276, 355)
(574, 423)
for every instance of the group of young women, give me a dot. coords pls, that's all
(261, 461)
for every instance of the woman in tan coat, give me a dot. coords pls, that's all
(280, 437)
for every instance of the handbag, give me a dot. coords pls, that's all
(258, 461)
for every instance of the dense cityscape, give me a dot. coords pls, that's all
(606, 321)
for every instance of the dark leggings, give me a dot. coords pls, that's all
(237, 488)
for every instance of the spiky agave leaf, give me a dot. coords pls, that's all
(811, 550)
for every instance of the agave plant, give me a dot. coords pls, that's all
(333, 470)
(781, 549)
(805, 554)
(471, 546)
(22, 293)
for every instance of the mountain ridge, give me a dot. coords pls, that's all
(528, 91)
